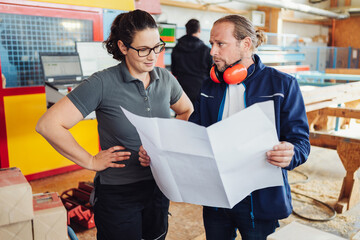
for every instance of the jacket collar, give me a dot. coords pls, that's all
(254, 69)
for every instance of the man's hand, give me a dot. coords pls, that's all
(281, 154)
(108, 158)
(143, 157)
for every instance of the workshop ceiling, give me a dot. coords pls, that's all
(312, 7)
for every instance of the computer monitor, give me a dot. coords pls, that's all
(94, 57)
(61, 68)
(168, 33)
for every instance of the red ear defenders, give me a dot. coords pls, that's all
(233, 74)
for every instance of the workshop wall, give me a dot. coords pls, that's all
(347, 32)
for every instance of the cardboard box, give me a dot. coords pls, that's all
(15, 197)
(298, 231)
(17, 231)
(50, 217)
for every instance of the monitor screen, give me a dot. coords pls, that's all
(94, 57)
(168, 33)
(62, 65)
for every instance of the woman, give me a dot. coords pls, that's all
(127, 204)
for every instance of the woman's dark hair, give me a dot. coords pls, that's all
(124, 27)
(192, 26)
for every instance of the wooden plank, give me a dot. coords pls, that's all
(318, 98)
(341, 112)
(318, 105)
(327, 140)
(355, 71)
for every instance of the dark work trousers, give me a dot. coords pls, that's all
(221, 223)
(130, 212)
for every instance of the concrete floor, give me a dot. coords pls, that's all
(325, 173)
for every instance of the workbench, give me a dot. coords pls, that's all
(319, 102)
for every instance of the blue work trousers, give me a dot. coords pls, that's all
(221, 223)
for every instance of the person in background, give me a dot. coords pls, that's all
(127, 202)
(191, 61)
(3, 80)
(238, 80)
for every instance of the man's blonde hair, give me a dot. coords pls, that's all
(244, 28)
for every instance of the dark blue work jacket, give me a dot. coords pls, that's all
(262, 84)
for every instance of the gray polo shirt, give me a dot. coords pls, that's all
(105, 92)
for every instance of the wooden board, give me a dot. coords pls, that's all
(343, 70)
(322, 97)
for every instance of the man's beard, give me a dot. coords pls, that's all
(223, 68)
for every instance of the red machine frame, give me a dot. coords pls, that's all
(47, 10)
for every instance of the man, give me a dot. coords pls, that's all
(191, 60)
(234, 40)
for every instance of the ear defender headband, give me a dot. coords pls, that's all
(233, 74)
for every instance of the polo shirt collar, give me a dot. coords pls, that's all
(153, 75)
(128, 77)
(124, 71)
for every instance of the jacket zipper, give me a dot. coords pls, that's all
(251, 197)
(221, 109)
(252, 211)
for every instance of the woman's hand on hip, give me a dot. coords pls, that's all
(109, 158)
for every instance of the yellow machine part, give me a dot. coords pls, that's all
(27, 149)
(125, 5)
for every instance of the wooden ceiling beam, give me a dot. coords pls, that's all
(325, 22)
(202, 7)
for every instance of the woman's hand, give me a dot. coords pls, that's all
(108, 158)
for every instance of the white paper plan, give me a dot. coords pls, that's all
(216, 166)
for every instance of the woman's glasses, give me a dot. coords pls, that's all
(143, 52)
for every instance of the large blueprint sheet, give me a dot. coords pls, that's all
(216, 166)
